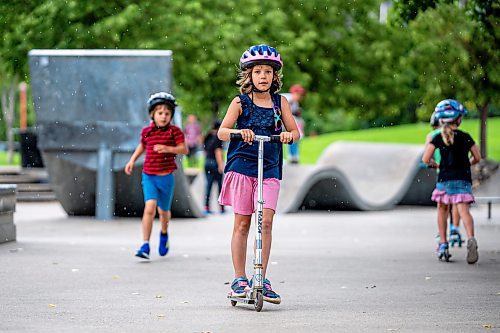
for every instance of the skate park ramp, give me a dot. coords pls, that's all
(358, 176)
(351, 176)
(90, 108)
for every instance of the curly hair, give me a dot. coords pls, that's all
(245, 81)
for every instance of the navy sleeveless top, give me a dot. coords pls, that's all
(242, 157)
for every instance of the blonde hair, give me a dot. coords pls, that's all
(245, 80)
(447, 134)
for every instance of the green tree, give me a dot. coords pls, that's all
(456, 59)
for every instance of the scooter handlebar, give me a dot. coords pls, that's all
(271, 138)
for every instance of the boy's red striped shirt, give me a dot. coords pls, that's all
(159, 163)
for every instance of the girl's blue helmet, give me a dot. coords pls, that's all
(433, 121)
(450, 105)
(447, 116)
(449, 110)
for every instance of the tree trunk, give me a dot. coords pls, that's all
(8, 105)
(482, 130)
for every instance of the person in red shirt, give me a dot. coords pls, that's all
(161, 141)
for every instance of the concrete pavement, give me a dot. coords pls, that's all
(335, 271)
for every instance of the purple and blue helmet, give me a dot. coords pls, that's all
(261, 55)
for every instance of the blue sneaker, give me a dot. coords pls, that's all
(143, 252)
(455, 237)
(238, 287)
(443, 252)
(268, 293)
(163, 247)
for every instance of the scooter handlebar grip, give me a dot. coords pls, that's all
(277, 139)
(236, 137)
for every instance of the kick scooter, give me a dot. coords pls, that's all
(254, 294)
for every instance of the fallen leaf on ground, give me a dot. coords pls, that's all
(488, 326)
(52, 305)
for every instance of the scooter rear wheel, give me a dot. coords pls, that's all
(259, 301)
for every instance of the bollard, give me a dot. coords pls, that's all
(104, 199)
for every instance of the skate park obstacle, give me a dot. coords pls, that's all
(90, 109)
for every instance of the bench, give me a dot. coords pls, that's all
(489, 201)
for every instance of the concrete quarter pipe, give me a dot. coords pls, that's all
(90, 107)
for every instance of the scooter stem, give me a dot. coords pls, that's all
(258, 277)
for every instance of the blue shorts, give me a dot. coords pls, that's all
(159, 188)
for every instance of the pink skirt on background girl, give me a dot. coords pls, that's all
(453, 192)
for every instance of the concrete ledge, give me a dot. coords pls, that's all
(7, 229)
(7, 209)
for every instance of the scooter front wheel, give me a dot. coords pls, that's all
(259, 301)
(233, 303)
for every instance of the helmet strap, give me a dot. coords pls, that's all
(254, 88)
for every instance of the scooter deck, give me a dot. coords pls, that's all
(245, 300)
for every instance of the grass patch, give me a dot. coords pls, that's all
(312, 147)
(4, 156)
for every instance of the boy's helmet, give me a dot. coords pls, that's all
(161, 98)
(261, 55)
(297, 88)
(450, 105)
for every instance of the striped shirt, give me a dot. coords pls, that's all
(159, 163)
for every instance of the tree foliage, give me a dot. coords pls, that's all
(455, 55)
(358, 72)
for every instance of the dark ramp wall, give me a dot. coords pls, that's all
(91, 101)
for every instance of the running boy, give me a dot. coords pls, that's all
(454, 185)
(161, 141)
(258, 110)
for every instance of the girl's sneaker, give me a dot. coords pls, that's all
(164, 246)
(143, 252)
(437, 239)
(455, 238)
(443, 252)
(472, 254)
(268, 293)
(239, 286)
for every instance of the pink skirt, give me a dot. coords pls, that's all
(451, 199)
(240, 192)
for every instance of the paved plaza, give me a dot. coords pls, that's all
(335, 271)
